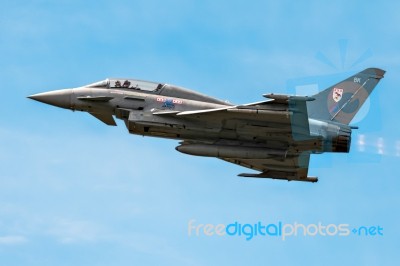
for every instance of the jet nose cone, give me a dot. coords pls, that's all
(59, 98)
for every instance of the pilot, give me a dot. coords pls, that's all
(126, 84)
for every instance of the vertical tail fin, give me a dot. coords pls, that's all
(342, 101)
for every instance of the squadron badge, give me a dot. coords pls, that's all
(337, 94)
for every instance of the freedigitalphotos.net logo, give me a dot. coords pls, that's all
(280, 230)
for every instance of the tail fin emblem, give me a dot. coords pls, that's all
(337, 94)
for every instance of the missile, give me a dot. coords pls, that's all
(229, 151)
(312, 179)
(283, 97)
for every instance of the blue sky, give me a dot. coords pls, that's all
(76, 192)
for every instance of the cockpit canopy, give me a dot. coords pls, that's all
(127, 84)
(167, 90)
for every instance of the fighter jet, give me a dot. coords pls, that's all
(275, 137)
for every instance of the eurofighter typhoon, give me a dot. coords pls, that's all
(274, 137)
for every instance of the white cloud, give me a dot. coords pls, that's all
(69, 231)
(12, 240)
